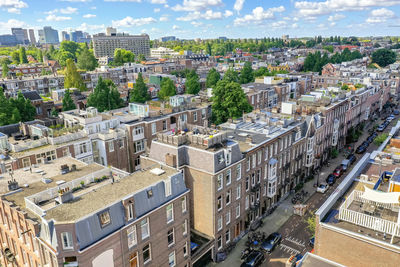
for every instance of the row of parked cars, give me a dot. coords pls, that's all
(256, 257)
(337, 173)
(363, 147)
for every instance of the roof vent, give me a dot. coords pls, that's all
(157, 171)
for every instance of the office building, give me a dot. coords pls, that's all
(50, 35)
(105, 45)
(8, 39)
(65, 36)
(20, 34)
(32, 36)
(76, 35)
(41, 37)
(167, 38)
(110, 31)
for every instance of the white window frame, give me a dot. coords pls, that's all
(220, 181)
(228, 217)
(228, 193)
(68, 238)
(167, 187)
(184, 208)
(184, 232)
(153, 128)
(228, 233)
(238, 171)
(149, 253)
(170, 212)
(228, 177)
(173, 237)
(110, 146)
(219, 223)
(238, 191)
(142, 226)
(238, 210)
(130, 209)
(132, 236)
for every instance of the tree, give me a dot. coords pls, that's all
(86, 60)
(383, 57)
(380, 139)
(22, 55)
(141, 58)
(167, 89)
(140, 93)
(15, 57)
(4, 67)
(122, 56)
(192, 83)
(72, 77)
(213, 77)
(229, 101)
(54, 112)
(246, 75)
(39, 55)
(105, 96)
(231, 76)
(26, 110)
(68, 103)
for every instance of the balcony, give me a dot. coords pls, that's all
(255, 205)
(255, 188)
(137, 137)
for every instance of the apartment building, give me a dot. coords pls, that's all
(359, 223)
(260, 96)
(91, 216)
(104, 45)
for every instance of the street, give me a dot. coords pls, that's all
(294, 230)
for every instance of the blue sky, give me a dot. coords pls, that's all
(208, 18)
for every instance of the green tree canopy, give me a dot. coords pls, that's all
(15, 110)
(231, 76)
(22, 55)
(229, 101)
(68, 103)
(86, 60)
(213, 77)
(246, 75)
(384, 57)
(140, 92)
(192, 83)
(105, 96)
(141, 58)
(167, 89)
(15, 57)
(4, 67)
(72, 77)
(122, 56)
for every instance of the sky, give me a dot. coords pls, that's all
(187, 19)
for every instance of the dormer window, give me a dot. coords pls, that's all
(149, 193)
(298, 135)
(167, 186)
(220, 158)
(104, 218)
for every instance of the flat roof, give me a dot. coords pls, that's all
(38, 186)
(106, 195)
(312, 260)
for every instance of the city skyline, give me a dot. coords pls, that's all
(188, 19)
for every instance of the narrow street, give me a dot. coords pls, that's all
(295, 234)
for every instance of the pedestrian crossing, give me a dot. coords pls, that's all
(295, 241)
(288, 249)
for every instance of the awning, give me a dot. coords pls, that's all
(381, 197)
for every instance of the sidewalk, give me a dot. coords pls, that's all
(284, 211)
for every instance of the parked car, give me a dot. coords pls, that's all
(370, 139)
(338, 171)
(396, 112)
(322, 188)
(312, 241)
(330, 180)
(381, 128)
(361, 149)
(351, 158)
(390, 118)
(255, 258)
(271, 241)
(374, 135)
(345, 164)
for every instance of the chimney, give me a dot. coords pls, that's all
(170, 160)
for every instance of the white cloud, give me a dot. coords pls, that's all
(91, 27)
(158, 1)
(164, 18)
(238, 5)
(196, 15)
(67, 10)
(258, 15)
(279, 24)
(228, 13)
(136, 1)
(308, 8)
(76, 1)
(336, 17)
(197, 5)
(129, 22)
(380, 15)
(13, 6)
(11, 23)
(332, 24)
(295, 25)
(156, 10)
(197, 23)
(53, 17)
(176, 27)
(89, 16)
(93, 7)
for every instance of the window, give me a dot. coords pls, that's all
(219, 243)
(238, 211)
(219, 182)
(171, 259)
(238, 171)
(228, 217)
(266, 153)
(167, 187)
(164, 125)
(219, 203)
(259, 156)
(247, 183)
(246, 203)
(66, 238)
(238, 191)
(144, 228)
(258, 176)
(146, 253)
(220, 158)
(131, 233)
(184, 227)
(104, 218)
(253, 179)
(170, 213)
(139, 146)
(253, 160)
(228, 177)
(134, 260)
(185, 250)
(228, 236)
(121, 143)
(153, 128)
(228, 197)
(170, 236)
(130, 211)
(195, 116)
(219, 223)
(183, 204)
(139, 130)
(248, 164)
(110, 146)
